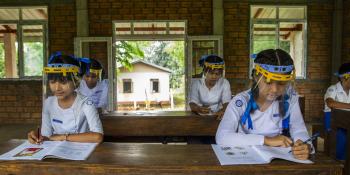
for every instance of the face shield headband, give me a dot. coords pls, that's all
(345, 75)
(277, 73)
(61, 68)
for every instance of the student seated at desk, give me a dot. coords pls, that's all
(269, 112)
(338, 96)
(93, 85)
(67, 115)
(211, 93)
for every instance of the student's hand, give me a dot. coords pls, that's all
(57, 137)
(34, 139)
(279, 140)
(203, 110)
(301, 150)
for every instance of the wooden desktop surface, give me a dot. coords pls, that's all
(136, 158)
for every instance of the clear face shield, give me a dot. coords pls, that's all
(275, 82)
(93, 75)
(215, 70)
(60, 80)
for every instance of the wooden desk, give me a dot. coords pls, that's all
(160, 124)
(340, 119)
(122, 158)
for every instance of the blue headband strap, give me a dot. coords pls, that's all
(205, 57)
(341, 75)
(277, 69)
(55, 54)
(60, 65)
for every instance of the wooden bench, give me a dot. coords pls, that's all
(158, 127)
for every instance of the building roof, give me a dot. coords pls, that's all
(150, 64)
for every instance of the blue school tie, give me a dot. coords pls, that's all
(286, 119)
(251, 106)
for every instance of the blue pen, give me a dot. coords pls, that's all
(312, 138)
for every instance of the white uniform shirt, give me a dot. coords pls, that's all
(98, 94)
(215, 97)
(267, 123)
(81, 117)
(337, 93)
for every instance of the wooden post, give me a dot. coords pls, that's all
(10, 55)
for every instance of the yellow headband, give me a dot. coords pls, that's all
(214, 66)
(273, 76)
(63, 70)
(96, 71)
(346, 76)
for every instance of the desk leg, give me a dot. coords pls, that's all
(332, 139)
(347, 161)
(327, 143)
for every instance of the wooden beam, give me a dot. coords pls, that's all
(150, 29)
(8, 29)
(298, 27)
(42, 13)
(258, 12)
(25, 31)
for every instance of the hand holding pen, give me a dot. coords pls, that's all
(35, 137)
(312, 138)
(301, 149)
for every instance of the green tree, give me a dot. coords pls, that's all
(168, 54)
(126, 52)
(33, 58)
(2, 61)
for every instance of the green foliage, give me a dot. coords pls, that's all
(269, 42)
(126, 52)
(33, 58)
(2, 61)
(168, 54)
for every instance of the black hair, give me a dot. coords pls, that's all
(277, 57)
(94, 64)
(210, 59)
(344, 68)
(64, 59)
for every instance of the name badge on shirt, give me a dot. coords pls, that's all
(99, 91)
(57, 121)
(276, 115)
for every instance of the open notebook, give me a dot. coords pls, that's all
(50, 149)
(235, 155)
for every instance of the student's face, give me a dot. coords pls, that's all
(213, 76)
(345, 82)
(62, 89)
(271, 90)
(91, 80)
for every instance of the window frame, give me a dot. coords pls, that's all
(277, 22)
(153, 80)
(19, 35)
(146, 37)
(128, 80)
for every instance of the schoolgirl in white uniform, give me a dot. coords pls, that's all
(338, 96)
(268, 113)
(93, 85)
(67, 115)
(211, 93)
